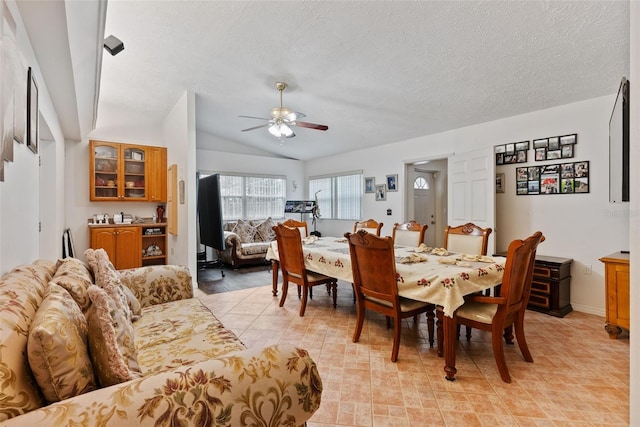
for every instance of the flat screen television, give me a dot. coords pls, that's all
(210, 212)
(619, 146)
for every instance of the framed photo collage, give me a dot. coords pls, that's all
(556, 178)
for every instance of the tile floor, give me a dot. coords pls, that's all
(579, 377)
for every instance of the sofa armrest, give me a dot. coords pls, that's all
(158, 284)
(231, 239)
(276, 385)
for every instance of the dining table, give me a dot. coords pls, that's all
(424, 274)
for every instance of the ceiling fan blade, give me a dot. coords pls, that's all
(256, 127)
(253, 117)
(312, 125)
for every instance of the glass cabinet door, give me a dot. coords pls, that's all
(134, 173)
(105, 171)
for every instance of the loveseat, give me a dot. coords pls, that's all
(191, 370)
(247, 242)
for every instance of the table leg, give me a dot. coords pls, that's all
(450, 332)
(274, 277)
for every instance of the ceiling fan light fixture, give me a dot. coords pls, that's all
(280, 130)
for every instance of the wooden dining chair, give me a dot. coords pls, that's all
(293, 269)
(409, 234)
(370, 225)
(301, 225)
(499, 315)
(374, 274)
(467, 239)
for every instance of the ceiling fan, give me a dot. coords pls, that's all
(282, 119)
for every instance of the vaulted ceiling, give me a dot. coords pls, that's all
(374, 72)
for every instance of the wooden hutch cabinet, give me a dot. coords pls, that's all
(616, 276)
(119, 172)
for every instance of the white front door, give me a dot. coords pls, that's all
(472, 190)
(425, 208)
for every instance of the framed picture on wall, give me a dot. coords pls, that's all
(499, 183)
(381, 192)
(370, 185)
(32, 111)
(392, 182)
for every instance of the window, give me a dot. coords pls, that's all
(339, 196)
(251, 196)
(420, 184)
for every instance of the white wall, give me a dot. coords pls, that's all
(20, 193)
(634, 217)
(179, 137)
(566, 220)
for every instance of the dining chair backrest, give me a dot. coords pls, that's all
(290, 253)
(374, 267)
(518, 273)
(409, 234)
(301, 225)
(370, 225)
(468, 239)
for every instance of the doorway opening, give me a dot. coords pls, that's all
(426, 197)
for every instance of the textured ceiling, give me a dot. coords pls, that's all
(374, 72)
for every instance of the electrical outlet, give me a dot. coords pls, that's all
(587, 270)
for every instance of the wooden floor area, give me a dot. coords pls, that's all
(211, 281)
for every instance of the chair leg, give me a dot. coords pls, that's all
(303, 306)
(397, 325)
(430, 316)
(311, 292)
(388, 322)
(522, 342)
(285, 289)
(498, 354)
(508, 335)
(299, 291)
(334, 287)
(440, 333)
(359, 322)
(354, 292)
(468, 333)
(328, 288)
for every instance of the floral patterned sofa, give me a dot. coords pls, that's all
(247, 242)
(186, 368)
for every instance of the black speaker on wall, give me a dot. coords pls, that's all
(210, 212)
(113, 45)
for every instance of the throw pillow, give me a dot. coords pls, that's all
(111, 343)
(265, 230)
(57, 347)
(107, 278)
(75, 277)
(245, 231)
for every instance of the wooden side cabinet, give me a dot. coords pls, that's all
(122, 244)
(551, 286)
(131, 245)
(616, 276)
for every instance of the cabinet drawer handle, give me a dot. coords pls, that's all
(542, 271)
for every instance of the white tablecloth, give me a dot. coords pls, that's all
(430, 281)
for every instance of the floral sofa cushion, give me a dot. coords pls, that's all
(74, 276)
(111, 340)
(21, 293)
(57, 347)
(170, 335)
